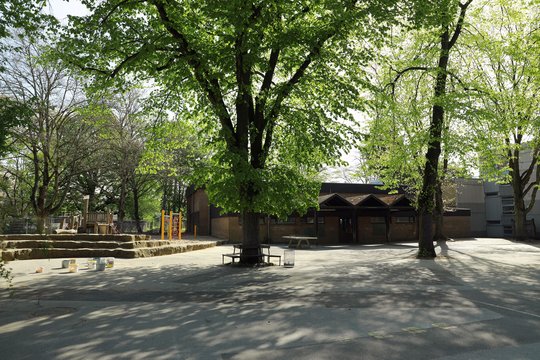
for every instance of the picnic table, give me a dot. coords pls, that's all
(261, 254)
(299, 240)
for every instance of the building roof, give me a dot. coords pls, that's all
(334, 200)
(349, 188)
(364, 200)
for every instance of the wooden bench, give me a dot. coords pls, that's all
(237, 254)
(299, 240)
(273, 256)
(232, 256)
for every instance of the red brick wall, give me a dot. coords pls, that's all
(229, 227)
(457, 226)
(402, 231)
(201, 206)
(220, 227)
(369, 233)
(329, 231)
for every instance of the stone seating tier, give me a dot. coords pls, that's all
(22, 247)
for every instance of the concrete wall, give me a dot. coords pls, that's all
(470, 195)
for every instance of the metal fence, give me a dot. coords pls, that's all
(28, 225)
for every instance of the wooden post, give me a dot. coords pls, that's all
(180, 225)
(86, 202)
(170, 224)
(194, 232)
(162, 224)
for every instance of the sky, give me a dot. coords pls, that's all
(62, 8)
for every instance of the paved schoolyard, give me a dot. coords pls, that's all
(478, 300)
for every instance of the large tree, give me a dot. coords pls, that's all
(124, 144)
(505, 64)
(59, 133)
(450, 26)
(272, 82)
(173, 155)
(411, 127)
(23, 15)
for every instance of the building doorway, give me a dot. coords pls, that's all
(345, 229)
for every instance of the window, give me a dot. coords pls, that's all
(405, 219)
(507, 205)
(310, 220)
(507, 230)
(377, 220)
(320, 220)
(287, 221)
(261, 220)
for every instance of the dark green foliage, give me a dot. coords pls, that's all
(12, 114)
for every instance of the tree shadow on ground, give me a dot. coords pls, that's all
(382, 304)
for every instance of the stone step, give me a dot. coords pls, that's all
(75, 244)
(157, 243)
(76, 237)
(122, 250)
(25, 254)
(66, 244)
(172, 249)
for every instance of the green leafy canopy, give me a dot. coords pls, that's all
(270, 84)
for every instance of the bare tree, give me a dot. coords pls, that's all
(60, 134)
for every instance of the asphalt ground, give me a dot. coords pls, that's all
(479, 299)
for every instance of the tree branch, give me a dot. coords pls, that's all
(399, 74)
(260, 99)
(106, 17)
(208, 83)
(526, 175)
(534, 187)
(459, 24)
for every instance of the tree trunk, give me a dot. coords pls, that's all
(136, 215)
(430, 178)
(41, 221)
(251, 248)
(520, 226)
(519, 183)
(426, 197)
(122, 206)
(520, 215)
(439, 214)
(40, 208)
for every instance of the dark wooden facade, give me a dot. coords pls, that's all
(347, 214)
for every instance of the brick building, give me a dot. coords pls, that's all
(348, 213)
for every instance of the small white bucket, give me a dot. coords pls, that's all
(91, 263)
(288, 258)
